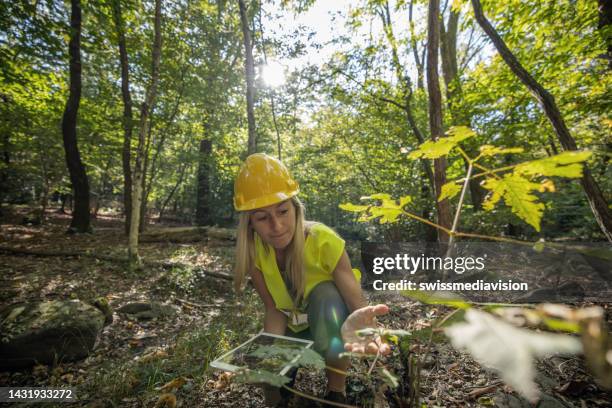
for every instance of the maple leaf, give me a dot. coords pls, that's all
(517, 193)
(449, 190)
(566, 164)
(434, 149)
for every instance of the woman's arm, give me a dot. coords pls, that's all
(275, 322)
(347, 285)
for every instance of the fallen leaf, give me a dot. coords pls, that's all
(223, 381)
(166, 401)
(67, 378)
(153, 355)
(175, 384)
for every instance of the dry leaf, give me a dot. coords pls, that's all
(223, 381)
(153, 355)
(166, 401)
(507, 349)
(175, 384)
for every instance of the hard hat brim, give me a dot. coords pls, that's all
(264, 201)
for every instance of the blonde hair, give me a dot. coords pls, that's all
(294, 259)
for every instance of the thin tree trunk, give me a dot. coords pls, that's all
(435, 114)
(142, 133)
(415, 51)
(176, 186)
(6, 158)
(145, 169)
(203, 215)
(127, 120)
(547, 102)
(272, 92)
(605, 20)
(448, 51)
(165, 131)
(80, 217)
(250, 77)
(405, 84)
(44, 195)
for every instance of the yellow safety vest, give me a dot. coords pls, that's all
(322, 251)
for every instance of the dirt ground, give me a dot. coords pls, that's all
(134, 359)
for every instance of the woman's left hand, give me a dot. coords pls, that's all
(362, 319)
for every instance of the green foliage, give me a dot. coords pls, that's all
(516, 188)
(261, 376)
(387, 211)
(449, 190)
(566, 164)
(391, 380)
(302, 357)
(517, 193)
(442, 146)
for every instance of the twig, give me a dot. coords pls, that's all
(193, 304)
(481, 391)
(458, 212)
(374, 362)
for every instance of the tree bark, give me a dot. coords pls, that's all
(127, 120)
(605, 19)
(176, 186)
(4, 170)
(435, 114)
(78, 177)
(145, 169)
(594, 195)
(406, 85)
(415, 49)
(450, 72)
(142, 133)
(250, 78)
(203, 215)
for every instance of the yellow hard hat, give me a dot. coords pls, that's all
(262, 181)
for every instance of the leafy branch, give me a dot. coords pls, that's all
(516, 184)
(485, 335)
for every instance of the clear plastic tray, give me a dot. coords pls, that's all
(240, 358)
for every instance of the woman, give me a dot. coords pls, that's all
(300, 270)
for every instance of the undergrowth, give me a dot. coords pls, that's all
(139, 379)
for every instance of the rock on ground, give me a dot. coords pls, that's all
(47, 332)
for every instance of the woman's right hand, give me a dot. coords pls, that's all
(364, 318)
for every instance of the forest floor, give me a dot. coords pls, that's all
(133, 360)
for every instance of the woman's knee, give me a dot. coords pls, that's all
(326, 314)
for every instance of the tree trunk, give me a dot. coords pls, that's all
(405, 83)
(415, 49)
(448, 51)
(176, 186)
(547, 102)
(4, 170)
(250, 78)
(145, 168)
(127, 120)
(78, 176)
(605, 20)
(44, 194)
(203, 215)
(435, 114)
(142, 133)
